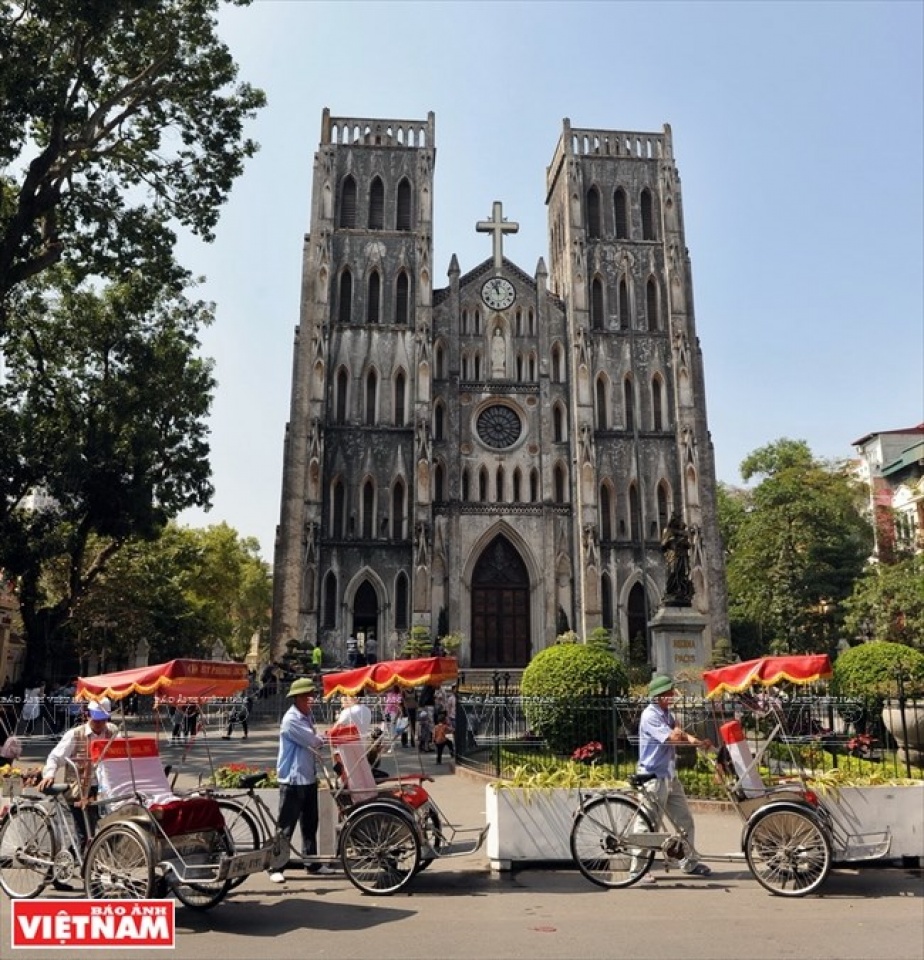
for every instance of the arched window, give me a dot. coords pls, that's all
(373, 297)
(561, 484)
(662, 505)
(368, 510)
(345, 300)
(517, 485)
(629, 400)
(596, 304)
(483, 485)
(606, 513)
(401, 597)
(439, 483)
(340, 404)
(402, 287)
(651, 304)
(403, 220)
(372, 389)
(348, 203)
(606, 601)
(400, 384)
(330, 600)
(657, 416)
(534, 485)
(603, 420)
(476, 366)
(593, 213)
(625, 318)
(337, 509)
(635, 514)
(465, 484)
(558, 424)
(557, 364)
(621, 208)
(377, 205)
(499, 485)
(397, 511)
(648, 222)
(439, 419)
(439, 362)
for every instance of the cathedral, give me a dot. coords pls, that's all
(499, 457)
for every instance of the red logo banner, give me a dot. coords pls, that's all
(70, 924)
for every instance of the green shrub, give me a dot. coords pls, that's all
(873, 669)
(230, 776)
(561, 684)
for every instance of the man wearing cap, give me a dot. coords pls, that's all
(75, 747)
(296, 768)
(658, 736)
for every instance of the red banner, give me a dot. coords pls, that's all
(77, 924)
(767, 672)
(379, 677)
(177, 681)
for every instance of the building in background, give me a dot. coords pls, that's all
(499, 456)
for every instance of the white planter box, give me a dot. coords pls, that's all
(528, 824)
(900, 810)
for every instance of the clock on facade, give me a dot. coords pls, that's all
(498, 426)
(498, 293)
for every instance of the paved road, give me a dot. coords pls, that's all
(459, 909)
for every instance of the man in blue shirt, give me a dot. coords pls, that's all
(658, 736)
(296, 768)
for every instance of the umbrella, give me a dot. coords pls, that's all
(185, 681)
(767, 671)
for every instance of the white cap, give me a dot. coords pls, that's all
(100, 709)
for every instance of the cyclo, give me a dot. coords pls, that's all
(790, 837)
(149, 841)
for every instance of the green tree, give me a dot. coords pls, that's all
(119, 119)
(104, 405)
(795, 544)
(887, 603)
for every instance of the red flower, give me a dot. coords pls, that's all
(589, 752)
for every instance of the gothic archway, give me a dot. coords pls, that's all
(365, 610)
(500, 607)
(637, 617)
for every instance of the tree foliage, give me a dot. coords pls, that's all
(888, 603)
(795, 544)
(118, 119)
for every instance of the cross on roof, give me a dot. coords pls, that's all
(498, 226)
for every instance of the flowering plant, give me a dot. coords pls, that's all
(230, 775)
(589, 753)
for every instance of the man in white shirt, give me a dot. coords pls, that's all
(75, 746)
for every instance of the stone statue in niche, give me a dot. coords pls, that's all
(675, 545)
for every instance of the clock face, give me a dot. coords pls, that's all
(499, 426)
(498, 293)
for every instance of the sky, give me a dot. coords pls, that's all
(798, 132)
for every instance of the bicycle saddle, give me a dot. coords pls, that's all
(640, 779)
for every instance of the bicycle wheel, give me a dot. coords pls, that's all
(243, 829)
(788, 852)
(120, 864)
(600, 843)
(380, 850)
(27, 851)
(201, 850)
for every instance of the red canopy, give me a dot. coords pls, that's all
(181, 680)
(766, 671)
(389, 673)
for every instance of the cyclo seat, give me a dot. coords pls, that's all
(640, 779)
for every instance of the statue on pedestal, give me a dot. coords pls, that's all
(675, 545)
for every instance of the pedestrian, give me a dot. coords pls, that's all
(371, 649)
(240, 713)
(354, 713)
(296, 768)
(185, 721)
(442, 738)
(317, 659)
(393, 709)
(80, 773)
(352, 647)
(409, 701)
(32, 706)
(658, 737)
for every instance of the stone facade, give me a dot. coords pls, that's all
(506, 449)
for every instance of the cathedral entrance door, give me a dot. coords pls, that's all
(365, 614)
(500, 608)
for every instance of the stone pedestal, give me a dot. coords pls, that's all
(677, 640)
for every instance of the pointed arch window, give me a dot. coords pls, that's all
(606, 513)
(651, 304)
(561, 484)
(593, 213)
(398, 501)
(402, 287)
(401, 598)
(440, 361)
(465, 484)
(373, 297)
(648, 219)
(368, 510)
(558, 424)
(596, 304)
(629, 401)
(483, 485)
(348, 203)
(340, 404)
(606, 601)
(517, 485)
(625, 319)
(557, 364)
(377, 205)
(499, 485)
(330, 600)
(635, 514)
(372, 389)
(400, 390)
(534, 485)
(657, 415)
(621, 208)
(662, 505)
(439, 483)
(403, 219)
(439, 421)
(345, 300)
